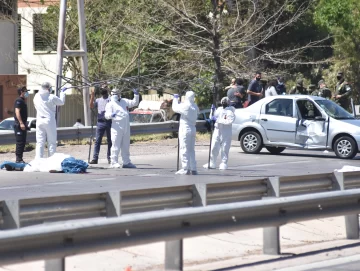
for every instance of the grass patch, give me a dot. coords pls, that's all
(11, 148)
(149, 138)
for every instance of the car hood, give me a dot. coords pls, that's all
(347, 125)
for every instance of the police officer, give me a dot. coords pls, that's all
(299, 88)
(20, 125)
(323, 91)
(342, 91)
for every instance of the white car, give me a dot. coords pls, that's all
(7, 125)
(297, 121)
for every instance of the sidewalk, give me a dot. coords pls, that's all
(228, 251)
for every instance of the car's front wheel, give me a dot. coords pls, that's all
(275, 150)
(251, 142)
(345, 147)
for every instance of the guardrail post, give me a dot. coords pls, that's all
(174, 255)
(199, 195)
(351, 221)
(113, 204)
(11, 214)
(55, 264)
(271, 235)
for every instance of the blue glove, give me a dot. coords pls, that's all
(136, 92)
(176, 96)
(113, 115)
(63, 89)
(213, 118)
(213, 107)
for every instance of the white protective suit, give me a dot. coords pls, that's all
(187, 132)
(120, 129)
(45, 105)
(221, 138)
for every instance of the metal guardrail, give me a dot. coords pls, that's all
(24, 212)
(61, 240)
(74, 133)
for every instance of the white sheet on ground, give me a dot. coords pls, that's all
(46, 164)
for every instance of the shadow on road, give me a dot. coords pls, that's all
(288, 256)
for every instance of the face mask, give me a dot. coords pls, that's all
(115, 98)
(26, 94)
(225, 105)
(50, 90)
(339, 77)
(258, 78)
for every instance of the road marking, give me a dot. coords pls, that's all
(33, 185)
(275, 164)
(322, 264)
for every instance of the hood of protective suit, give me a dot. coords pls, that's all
(43, 91)
(190, 97)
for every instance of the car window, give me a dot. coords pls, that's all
(157, 118)
(280, 107)
(33, 124)
(7, 125)
(334, 110)
(307, 109)
(201, 116)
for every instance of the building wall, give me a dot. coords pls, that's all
(8, 90)
(37, 65)
(8, 39)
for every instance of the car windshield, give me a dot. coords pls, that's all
(140, 118)
(333, 110)
(7, 125)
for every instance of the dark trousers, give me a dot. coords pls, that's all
(20, 136)
(101, 128)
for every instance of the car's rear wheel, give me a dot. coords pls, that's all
(345, 147)
(275, 150)
(251, 142)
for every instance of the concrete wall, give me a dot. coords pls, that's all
(8, 90)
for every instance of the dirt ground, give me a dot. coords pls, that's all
(136, 149)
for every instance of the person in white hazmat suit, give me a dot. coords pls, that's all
(45, 105)
(221, 139)
(188, 111)
(118, 111)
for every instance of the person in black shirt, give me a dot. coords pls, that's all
(20, 125)
(255, 91)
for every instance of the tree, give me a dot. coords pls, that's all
(341, 19)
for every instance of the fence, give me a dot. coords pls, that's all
(19, 213)
(74, 133)
(61, 240)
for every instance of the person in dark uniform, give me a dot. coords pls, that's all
(20, 125)
(299, 88)
(342, 92)
(323, 91)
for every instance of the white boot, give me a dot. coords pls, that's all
(115, 165)
(223, 166)
(212, 165)
(183, 172)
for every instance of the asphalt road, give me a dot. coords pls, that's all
(158, 171)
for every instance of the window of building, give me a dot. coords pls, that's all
(43, 38)
(6, 7)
